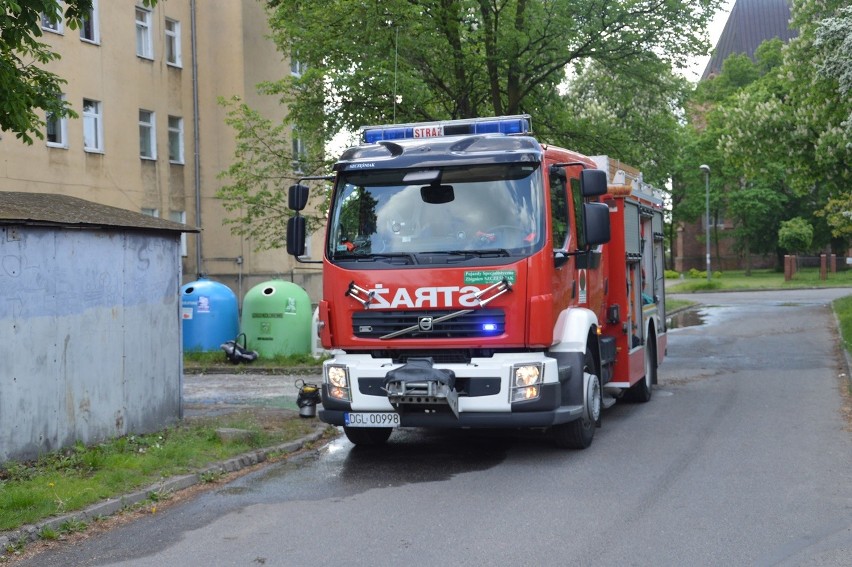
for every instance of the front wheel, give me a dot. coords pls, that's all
(369, 436)
(578, 434)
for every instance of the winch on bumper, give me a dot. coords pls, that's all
(418, 383)
(482, 393)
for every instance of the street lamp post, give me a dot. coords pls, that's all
(706, 169)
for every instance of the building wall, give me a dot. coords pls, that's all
(91, 335)
(233, 55)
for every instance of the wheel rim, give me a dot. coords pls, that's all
(593, 398)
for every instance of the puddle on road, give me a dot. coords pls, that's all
(686, 318)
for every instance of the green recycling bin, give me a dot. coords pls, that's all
(276, 319)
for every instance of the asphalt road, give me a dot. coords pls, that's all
(742, 457)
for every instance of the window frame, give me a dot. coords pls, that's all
(180, 217)
(179, 133)
(93, 20)
(98, 117)
(297, 68)
(173, 39)
(299, 149)
(61, 126)
(58, 23)
(149, 130)
(144, 33)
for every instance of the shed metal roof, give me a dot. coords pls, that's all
(61, 210)
(750, 23)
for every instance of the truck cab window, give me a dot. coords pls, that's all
(559, 212)
(577, 196)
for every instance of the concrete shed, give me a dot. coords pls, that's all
(89, 321)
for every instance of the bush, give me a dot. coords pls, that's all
(672, 275)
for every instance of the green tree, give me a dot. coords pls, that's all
(25, 86)
(795, 235)
(400, 60)
(265, 165)
(633, 114)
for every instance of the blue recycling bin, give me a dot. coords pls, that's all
(209, 314)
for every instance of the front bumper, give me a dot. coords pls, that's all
(483, 400)
(484, 420)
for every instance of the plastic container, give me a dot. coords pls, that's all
(209, 314)
(277, 319)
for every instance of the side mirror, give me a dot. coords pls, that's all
(596, 223)
(593, 182)
(297, 198)
(296, 236)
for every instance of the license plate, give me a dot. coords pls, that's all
(371, 419)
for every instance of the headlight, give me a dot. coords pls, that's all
(526, 382)
(337, 378)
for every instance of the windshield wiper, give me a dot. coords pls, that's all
(483, 253)
(372, 257)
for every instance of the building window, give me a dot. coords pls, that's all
(147, 135)
(299, 152)
(296, 66)
(144, 45)
(180, 216)
(173, 42)
(89, 25)
(175, 139)
(93, 127)
(52, 22)
(56, 130)
(151, 212)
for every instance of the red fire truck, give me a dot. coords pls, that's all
(475, 277)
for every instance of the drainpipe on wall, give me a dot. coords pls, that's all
(196, 137)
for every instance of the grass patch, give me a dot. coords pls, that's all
(843, 309)
(202, 360)
(75, 478)
(673, 305)
(761, 279)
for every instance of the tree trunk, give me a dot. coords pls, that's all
(490, 21)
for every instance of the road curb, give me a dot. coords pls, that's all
(30, 533)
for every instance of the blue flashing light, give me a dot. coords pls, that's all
(378, 134)
(489, 327)
(507, 125)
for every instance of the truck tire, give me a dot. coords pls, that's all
(640, 392)
(578, 434)
(368, 435)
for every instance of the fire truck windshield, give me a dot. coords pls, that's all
(437, 215)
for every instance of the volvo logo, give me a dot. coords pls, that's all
(424, 323)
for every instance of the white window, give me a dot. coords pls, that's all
(52, 22)
(296, 66)
(144, 45)
(299, 152)
(173, 42)
(151, 212)
(147, 135)
(180, 216)
(93, 127)
(89, 25)
(175, 139)
(57, 130)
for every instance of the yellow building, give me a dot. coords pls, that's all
(151, 136)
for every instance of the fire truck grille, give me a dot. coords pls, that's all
(479, 323)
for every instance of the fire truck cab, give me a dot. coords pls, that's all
(474, 276)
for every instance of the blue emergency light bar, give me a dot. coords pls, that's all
(508, 125)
